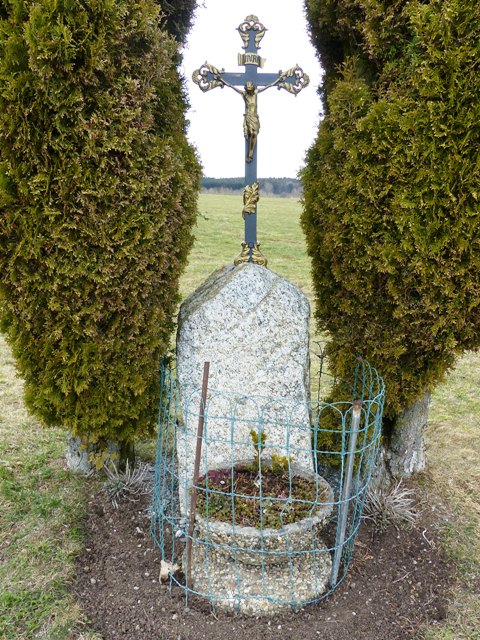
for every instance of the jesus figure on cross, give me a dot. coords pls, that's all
(251, 121)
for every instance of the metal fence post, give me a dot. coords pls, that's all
(347, 487)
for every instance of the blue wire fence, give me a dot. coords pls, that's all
(280, 491)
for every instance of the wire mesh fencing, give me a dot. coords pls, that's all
(261, 508)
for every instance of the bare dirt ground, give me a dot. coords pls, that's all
(399, 580)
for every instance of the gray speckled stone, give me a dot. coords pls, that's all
(256, 590)
(252, 326)
(263, 572)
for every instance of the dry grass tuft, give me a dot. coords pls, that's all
(132, 482)
(393, 506)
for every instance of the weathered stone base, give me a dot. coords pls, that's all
(246, 588)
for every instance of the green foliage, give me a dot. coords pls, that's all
(42, 508)
(277, 465)
(371, 32)
(331, 440)
(328, 439)
(179, 16)
(258, 439)
(391, 194)
(270, 500)
(98, 194)
(233, 184)
(280, 465)
(334, 32)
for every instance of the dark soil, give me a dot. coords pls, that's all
(398, 580)
(284, 499)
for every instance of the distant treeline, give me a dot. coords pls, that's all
(288, 187)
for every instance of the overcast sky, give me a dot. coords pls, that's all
(288, 123)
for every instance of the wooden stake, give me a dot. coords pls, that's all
(196, 469)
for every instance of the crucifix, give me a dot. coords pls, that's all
(253, 83)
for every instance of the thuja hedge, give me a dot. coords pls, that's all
(179, 16)
(97, 192)
(392, 188)
(376, 32)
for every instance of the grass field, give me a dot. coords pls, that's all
(219, 235)
(41, 506)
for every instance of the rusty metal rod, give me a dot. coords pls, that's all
(196, 469)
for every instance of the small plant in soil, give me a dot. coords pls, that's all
(130, 483)
(394, 505)
(261, 494)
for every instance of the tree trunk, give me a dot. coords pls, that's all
(78, 456)
(84, 458)
(405, 454)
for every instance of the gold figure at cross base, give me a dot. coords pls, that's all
(251, 255)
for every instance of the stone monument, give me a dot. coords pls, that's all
(253, 327)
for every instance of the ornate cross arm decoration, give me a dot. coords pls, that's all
(251, 23)
(293, 80)
(208, 77)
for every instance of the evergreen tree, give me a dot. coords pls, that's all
(179, 16)
(98, 194)
(392, 185)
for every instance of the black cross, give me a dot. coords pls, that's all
(294, 80)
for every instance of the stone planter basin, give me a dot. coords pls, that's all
(252, 546)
